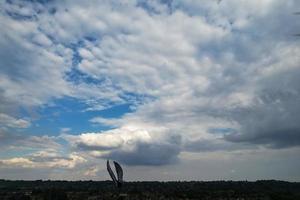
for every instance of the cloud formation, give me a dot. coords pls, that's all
(130, 145)
(9, 121)
(199, 76)
(43, 160)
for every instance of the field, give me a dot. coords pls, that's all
(81, 190)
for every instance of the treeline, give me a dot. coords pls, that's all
(39, 189)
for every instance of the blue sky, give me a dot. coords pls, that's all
(173, 90)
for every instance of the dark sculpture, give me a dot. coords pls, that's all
(118, 182)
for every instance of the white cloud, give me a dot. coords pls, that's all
(30, 74)
(132, 145)
(9, 121)
(39, 142)
(200, 70)
(22, 162)
(91, 172)
(124, 138)
(44, 160)
(65, 130)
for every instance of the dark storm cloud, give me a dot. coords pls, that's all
(204, 145)
(274, 138)
(131, 151)
(147, 154)
(274, 119)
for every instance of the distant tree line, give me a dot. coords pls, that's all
(73, 190)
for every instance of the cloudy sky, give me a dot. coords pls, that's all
(172, 89)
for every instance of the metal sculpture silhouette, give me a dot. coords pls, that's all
(119, 180)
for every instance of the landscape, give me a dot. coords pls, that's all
(150, 99)
(98, 190)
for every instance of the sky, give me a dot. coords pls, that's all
(171, 89)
